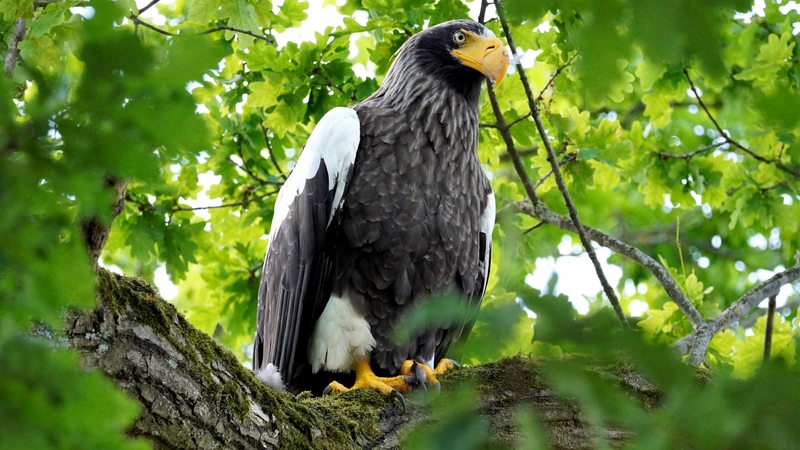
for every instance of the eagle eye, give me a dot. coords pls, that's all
(459, 37)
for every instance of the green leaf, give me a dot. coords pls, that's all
(49, 401)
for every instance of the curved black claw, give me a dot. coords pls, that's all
(326, 391)
(420, 375)
(437, 387)
(456, 363)
(396, 394)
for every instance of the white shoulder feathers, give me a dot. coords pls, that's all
(333, 142)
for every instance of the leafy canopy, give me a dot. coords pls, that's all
(676, 124)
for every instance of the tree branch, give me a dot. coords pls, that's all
(13, 47)
(511, 148)
(769, 327)
(268, 143)
(244, 167)
(753, 297)
(146, 7)
(509, 125)
(569, 158)
(195, 394)
(238, 30)
(562, 187)
(226, 205)
(698, 341)
(727, 135)
(551, 81)
(663, 276)
(137, 21)
(692, 154)
(751, 318)
(175, 209)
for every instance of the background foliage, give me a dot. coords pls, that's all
(676, 124)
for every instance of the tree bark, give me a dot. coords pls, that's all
(195, 394)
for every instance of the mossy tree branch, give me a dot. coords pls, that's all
(195, 394)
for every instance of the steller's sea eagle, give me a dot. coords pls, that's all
(387, 207)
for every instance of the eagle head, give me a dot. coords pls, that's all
(459, 49)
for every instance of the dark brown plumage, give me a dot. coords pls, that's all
(388, 206)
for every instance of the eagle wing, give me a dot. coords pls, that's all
(473, 287)
(296, 282)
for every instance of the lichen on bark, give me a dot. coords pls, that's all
(195, 393)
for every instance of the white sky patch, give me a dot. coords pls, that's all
(756, 10)
(165, 287)
(319, 17)
(87, 12)
(206, 180)
(637, 308)
(577, 279)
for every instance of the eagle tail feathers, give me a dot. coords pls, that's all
(271, 376)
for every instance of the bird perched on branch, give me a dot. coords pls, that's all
(387, 208)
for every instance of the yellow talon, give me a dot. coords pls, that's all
(430, 376)
(366, 379)
(444, 365)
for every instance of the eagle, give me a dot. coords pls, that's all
(386, 208)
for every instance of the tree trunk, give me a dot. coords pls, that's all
(195, 394)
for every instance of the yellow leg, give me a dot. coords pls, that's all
(366, 379)
(420, 370)
(444, 365)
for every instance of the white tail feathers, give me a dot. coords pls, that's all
(271, 376)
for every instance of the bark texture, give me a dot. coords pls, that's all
(195, 394)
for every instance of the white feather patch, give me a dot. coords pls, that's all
(488, 216)
(271, 376)
(333, 142)
(341, 335)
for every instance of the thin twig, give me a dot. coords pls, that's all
(244, 166)
(753, 317)
(693, 153)
(570, 158)
(562, 187)
(238, 30)
(524, 152)
(728, 137)
(555, 75)
(511, 148)
(146, 7)
(137, 21)
(509, 125)
(268, 143)
(769, 327)
(519, 119)
(663, 276)
(13, 47)
(482, 13)
(226, 205)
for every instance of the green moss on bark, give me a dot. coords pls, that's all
(304, 421)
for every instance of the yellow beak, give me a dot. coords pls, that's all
(487, 55)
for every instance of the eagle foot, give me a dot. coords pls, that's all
(423, 375)
(366, 379)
